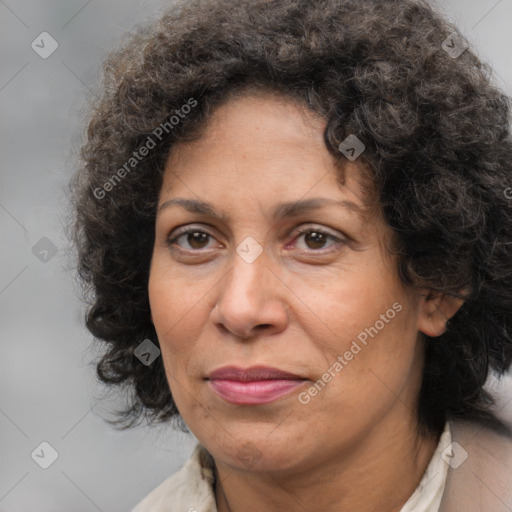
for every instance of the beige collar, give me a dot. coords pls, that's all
(470, 471)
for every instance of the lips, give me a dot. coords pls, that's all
(253, 386)
(254, 373)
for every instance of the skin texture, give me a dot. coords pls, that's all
(297, 307)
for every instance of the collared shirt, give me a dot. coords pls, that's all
(427, 496)
(192, 488)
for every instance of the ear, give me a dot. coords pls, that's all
(435, 309)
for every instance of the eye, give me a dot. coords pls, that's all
(315, 238)
(195, 238)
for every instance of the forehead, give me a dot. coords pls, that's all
(264, 146)
(261, 128)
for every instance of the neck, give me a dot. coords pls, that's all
(380, 472)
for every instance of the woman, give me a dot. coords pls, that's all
(293, 224)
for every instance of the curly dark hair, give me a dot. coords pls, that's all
(438, 150)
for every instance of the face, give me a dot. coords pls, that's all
(309, 292)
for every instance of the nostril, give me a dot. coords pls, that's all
(263, 326)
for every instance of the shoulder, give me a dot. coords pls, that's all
(188, 490)
(480, 469)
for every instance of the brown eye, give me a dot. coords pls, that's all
(194, 239)
(197, 239)
(315, 239)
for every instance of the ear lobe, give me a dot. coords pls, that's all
(435, 309)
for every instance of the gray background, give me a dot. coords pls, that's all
(48, 390)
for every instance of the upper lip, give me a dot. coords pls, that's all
(254, 373)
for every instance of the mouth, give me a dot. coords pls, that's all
(253, 386)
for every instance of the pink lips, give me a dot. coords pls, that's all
(253, 386)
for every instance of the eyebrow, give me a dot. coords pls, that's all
(280, 211)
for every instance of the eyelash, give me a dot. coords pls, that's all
(186, 231)
(301, 231)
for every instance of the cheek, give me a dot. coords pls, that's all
(380, 364)
(179, 307)
(172, 310)
(173, 320)
(349, 304)
(370, 343)
(172, 298)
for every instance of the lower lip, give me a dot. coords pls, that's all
(254, 392)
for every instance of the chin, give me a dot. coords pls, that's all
(257, 453)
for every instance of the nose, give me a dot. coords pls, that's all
(251, 300)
